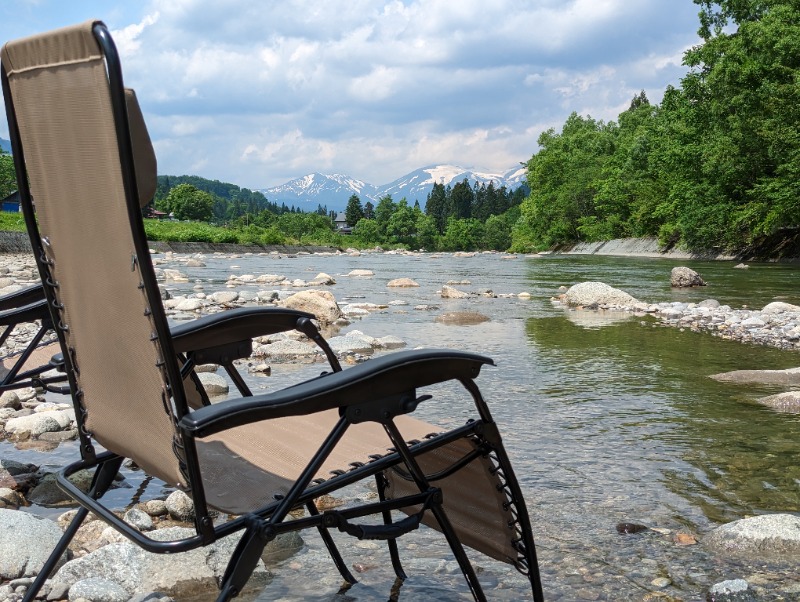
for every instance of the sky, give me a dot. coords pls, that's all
(259, 92)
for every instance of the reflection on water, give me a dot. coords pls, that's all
(607, 417)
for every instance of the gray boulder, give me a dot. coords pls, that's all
(778, 307)
(789, 377)
(287, 351)
(448, 292)
(320, 303)
(214, 384)
(592, 294)
(788, 402)
(180, 576)
(25, 543)
(354, 341)
(771, 536)
(96, 589)
(683, 277)
(180, 506)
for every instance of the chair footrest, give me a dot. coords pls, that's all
(393, 530)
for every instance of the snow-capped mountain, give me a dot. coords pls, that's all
(334, 190)
(315, 189)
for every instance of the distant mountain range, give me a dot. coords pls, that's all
(333, 190)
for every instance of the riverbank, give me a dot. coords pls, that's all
(18, 242)
(637, 247)
(780, 247)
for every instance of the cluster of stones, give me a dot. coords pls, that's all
(101, 564)
(776, 324)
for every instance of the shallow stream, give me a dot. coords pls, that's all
(607, 419)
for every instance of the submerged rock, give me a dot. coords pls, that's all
(462, 318)
(771, 536)
(790, 377)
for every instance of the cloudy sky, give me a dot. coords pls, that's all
(258, 92)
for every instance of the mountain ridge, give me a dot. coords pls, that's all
(334, 190)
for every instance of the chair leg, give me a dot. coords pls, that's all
(333, 550)
(61, 547)
(245, 557)
(101, 481)
(387, 520)
(438, 511)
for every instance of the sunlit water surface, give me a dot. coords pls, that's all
(607, 419)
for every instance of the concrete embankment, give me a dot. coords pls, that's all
(635, 247)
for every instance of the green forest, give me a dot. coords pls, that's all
(461, 217)
(713, 166)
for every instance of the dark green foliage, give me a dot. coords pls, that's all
(8, 179)
(369, 210)
(354, 211)
(716, 165)
(229, 200)
(186, 202)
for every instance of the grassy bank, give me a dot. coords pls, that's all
(169, 231)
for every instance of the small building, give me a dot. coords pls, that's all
(340, 222)
(11, 203)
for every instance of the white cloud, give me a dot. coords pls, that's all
(261, 92)
(127, 38)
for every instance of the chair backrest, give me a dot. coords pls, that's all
(71, 140)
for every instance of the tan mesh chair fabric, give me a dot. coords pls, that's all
(144, 158)
(245, 467)
(270, 455)
(60, 92)
(475, 504)
(41, 355)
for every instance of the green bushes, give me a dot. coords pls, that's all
(201, 232)
(12, 221)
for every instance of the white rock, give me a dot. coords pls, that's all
(779, 307)
(224, 296)
(448, 292)
(591, 293)
(190, 305)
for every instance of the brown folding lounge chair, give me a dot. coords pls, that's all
(256, 457)
(40, 363)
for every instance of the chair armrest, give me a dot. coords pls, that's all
(26, 313)
(25, 296)
(232, 326)
(377, 379)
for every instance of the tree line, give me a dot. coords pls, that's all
(715, 165)
(196, 198)
(457, 218)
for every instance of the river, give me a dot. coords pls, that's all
(607, 419)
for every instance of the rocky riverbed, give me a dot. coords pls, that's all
(30, 418)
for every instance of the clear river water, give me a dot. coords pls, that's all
(607, 419)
